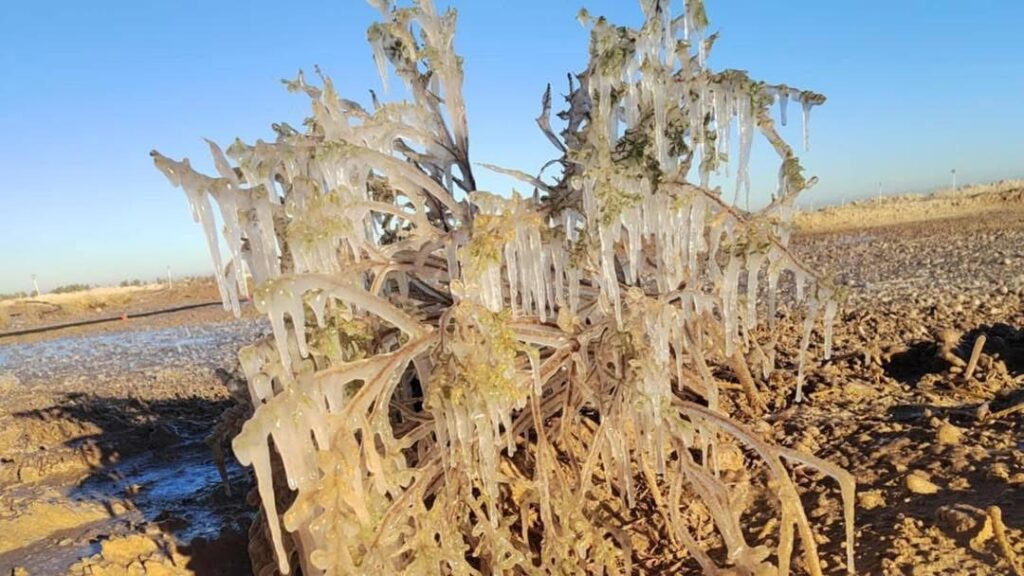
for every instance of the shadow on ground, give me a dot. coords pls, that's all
(150, 467)
(920, 358)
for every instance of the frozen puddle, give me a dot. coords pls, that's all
(176, 490)
(97, 355)
(177, 487)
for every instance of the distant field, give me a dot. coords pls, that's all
(965, 202)
(99, 302)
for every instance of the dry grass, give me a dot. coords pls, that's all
(967, 201)
(59, 305)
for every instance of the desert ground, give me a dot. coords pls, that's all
(105, 467)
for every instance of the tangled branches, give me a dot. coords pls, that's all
(466, 383)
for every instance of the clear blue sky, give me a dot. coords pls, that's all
(915, 87)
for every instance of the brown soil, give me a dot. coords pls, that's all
(934, 443)
(118, 305)
(895, 404)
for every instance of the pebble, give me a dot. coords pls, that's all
(918, 484)
(949, 435)
(999, 471)
(960, 518)
(871, 499)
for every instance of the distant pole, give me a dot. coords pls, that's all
(169, 283)
(953, 172)
(879, 192)
(35, 284)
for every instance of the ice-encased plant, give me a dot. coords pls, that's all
(461, 382)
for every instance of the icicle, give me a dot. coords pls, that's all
(232, 274)
(753, 267)
(380, 59)
(746, 122)
(780, 188)
(631, 221)
(805, 342)
(631, 106)
(270, 300)
(609, 279)
(698, 109)
(667, 37)
(259, 459)
(807, 124)
(783, 102)
(695, 241)
(202, 212)
(829, 318)
(267, 239)
(512, 270)
(572, 271)
(730, 286)
(773, 285)
(660, 122)
(799, 277)
(728, 111)
(557, 282)
(534, 247)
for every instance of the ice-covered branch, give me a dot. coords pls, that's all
(496, 384)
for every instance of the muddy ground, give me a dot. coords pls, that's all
(103, 464)
(103, 468)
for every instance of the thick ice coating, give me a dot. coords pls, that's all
(466, 382)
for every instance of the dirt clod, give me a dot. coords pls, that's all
(949, 435)
(919, 484)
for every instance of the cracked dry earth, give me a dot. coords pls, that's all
(103, 469)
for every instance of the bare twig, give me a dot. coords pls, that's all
(996, 516)
(1006, 411)
(544, 120)
(739, 366)
(979, 343)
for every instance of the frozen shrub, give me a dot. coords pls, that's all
(460, 382)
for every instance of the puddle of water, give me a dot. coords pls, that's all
(179, 488)
(178, 485)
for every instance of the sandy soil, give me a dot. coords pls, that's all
(103, 469)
